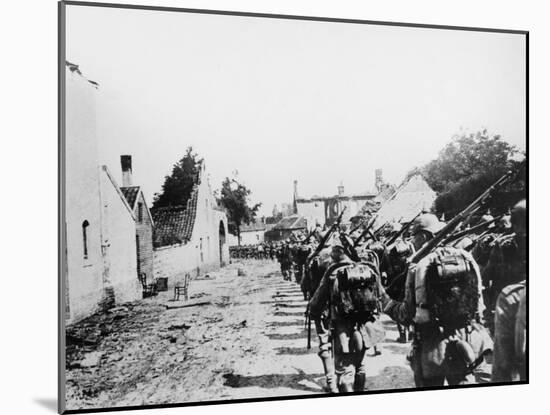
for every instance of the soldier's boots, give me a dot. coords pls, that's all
(345, 387)
(402, 333)
(331, 384)
(360, 384)
(328, 367)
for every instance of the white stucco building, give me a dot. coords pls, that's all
(190, 239)
(100, 257)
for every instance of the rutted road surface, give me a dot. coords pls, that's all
(237, 337)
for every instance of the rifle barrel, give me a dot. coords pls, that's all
(471, 208)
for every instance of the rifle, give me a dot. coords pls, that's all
(467, 211)
(451, 225)
(327, 235)
(357, 227)
(403, 229)
(321, 245)
(457, 235)
(309, 235)
(365, 232)
(308, 326)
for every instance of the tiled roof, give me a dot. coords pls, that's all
(291, 222)
(252, 227)
(174, 224)
(130, 193)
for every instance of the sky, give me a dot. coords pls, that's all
(279, 100)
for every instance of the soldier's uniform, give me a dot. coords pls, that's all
(437, 354)
(351, 337)
(510, 313)
(507, 265)
(399, 251)
(285, 259)
(309, 285)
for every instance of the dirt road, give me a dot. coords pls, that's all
(237, 337)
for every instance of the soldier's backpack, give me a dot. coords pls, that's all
(355, 291)
(447, 289)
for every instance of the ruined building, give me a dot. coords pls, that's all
(324, 210)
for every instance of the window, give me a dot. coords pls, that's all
(85, 225)
(140, 212)
(202, 255)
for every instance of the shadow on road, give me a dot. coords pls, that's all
(275, 381)
(278, 301)
(391, 377)
(285, 305)
(401, 349)
(291, 336)
(288, 313)
(294, 350)
(290, 323)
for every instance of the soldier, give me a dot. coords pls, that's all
(510, 313)
(449, 342)
(399, 252)
(310, 283)
(285, 260)
(349, 290)
(260, 251)
(507, 263)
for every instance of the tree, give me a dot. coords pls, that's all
(177, 187)
(235, 199)
(468, 165)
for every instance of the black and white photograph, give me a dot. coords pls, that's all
(258, 207)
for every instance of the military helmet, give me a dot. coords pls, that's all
(427, 222)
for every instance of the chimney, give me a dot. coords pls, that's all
(378, 179)
(126, 163)
(341, 189)
(295, 197)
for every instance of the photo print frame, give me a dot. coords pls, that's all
(261, 207)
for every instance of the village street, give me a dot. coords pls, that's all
(237, 337)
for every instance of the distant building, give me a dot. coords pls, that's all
(100, 259)
(323, 210)
(192, 238)
(143, 220)
(285, 227)
(251, 234)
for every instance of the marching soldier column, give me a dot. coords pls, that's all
(425, 276)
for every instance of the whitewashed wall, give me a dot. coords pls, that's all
(84, 275)
(252, 237)
(119, 242)
(313, 212)
(202, 253)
